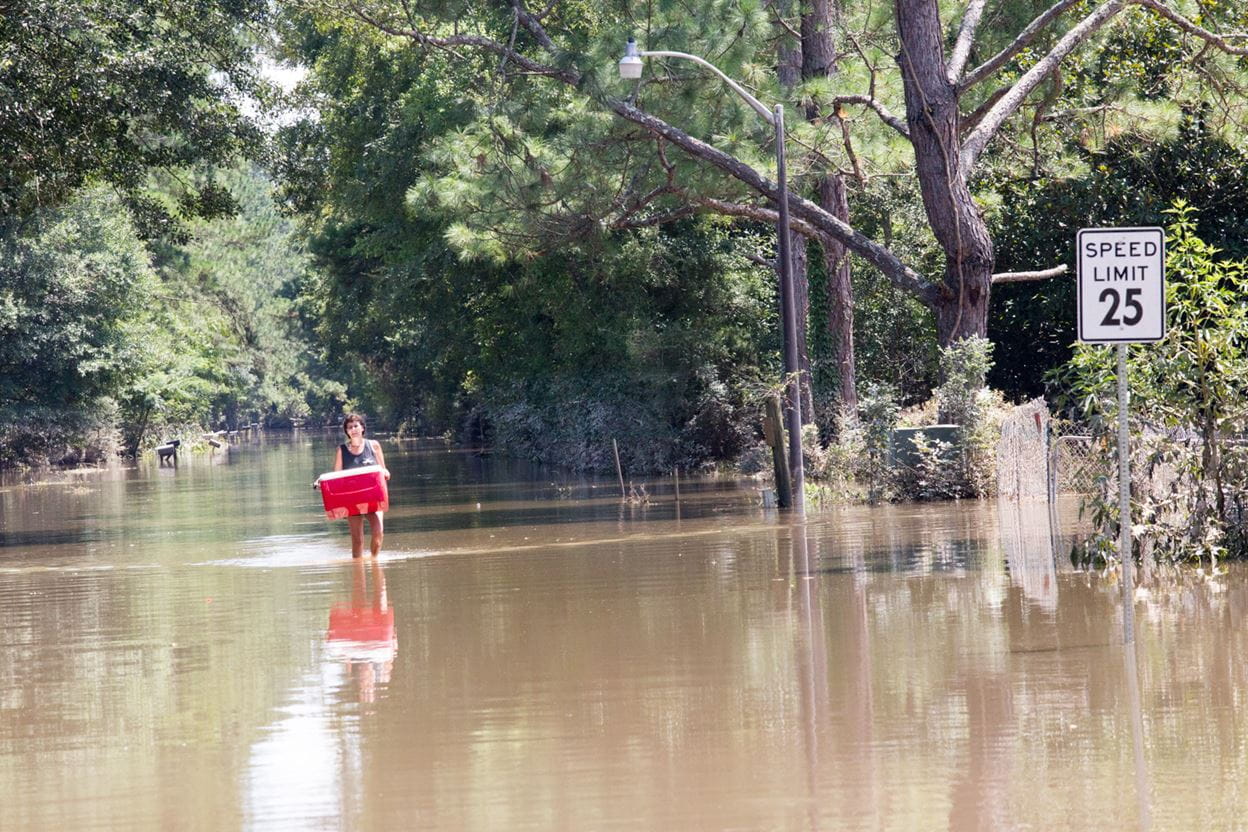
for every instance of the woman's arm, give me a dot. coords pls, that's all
(338, 459)
(381, 458)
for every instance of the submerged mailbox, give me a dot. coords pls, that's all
(354, 491)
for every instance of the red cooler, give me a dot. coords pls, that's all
(354, 491)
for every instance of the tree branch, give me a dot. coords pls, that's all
(966, 36)
(654, 219)
(968, 122)
(888, 263)
(1024, 277)
(476, 41)
(759, 213)
(782, 23)
(1019, 43)
(1012, 100)
(1218, 40)
(534, 26)
(849, 151)
(885, 115)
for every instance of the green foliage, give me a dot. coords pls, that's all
(111, 89)
(66, 280)
(964, 366)
(967, 468)
(1189, 392)
(102, 341)
(840, 468)
(879, 408)
(462, 314)
(225, 343)
(1128, 183)
(894, 335)
(963, 398)
(68, 320)
(938, 471)
(1144, 53)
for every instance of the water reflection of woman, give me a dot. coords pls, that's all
(362, 633)
(357, 452)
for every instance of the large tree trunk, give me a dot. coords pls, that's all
(801, 302)
(961, 305)
(840, 295)
(819, 61)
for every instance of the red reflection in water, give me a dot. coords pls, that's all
(362, 633)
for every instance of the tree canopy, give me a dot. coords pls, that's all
(109, 90)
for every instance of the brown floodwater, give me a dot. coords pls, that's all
(193, 648)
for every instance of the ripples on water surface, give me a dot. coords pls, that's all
(193, 649)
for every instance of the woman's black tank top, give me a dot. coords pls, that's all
(364, 457)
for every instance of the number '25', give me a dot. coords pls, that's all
(1131, 304)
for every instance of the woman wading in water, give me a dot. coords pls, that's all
(357, 452)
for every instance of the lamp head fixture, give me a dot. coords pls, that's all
(630, 64)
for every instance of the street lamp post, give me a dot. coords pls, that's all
(630, 67)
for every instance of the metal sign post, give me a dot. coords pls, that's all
(1124, 502)
(1122, 300)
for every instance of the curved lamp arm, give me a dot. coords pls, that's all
(737, 88)
(633, 56)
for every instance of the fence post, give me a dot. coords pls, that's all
(773, 432)
(1050, 476)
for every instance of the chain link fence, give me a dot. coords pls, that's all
(1022, 461)
(1076, 466)
(1036, 460)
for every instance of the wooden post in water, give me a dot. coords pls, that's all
(619, 472)
(773, 432)
(677, 481)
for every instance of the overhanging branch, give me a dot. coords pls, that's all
(883, 112)
(888, 263)
(1019, 43)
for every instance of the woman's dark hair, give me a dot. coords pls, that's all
(353, 417)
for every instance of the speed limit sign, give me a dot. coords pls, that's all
(1122, 285)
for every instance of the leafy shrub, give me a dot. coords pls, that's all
(878, 408)
(40, 435)
(938, 473)
(755, 459)
(968, 469)
(1190, 392)
(572, 421)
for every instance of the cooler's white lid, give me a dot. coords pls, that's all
(351, 472)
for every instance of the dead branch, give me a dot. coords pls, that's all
(1025, 277)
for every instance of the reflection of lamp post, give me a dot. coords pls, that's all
(630, 67)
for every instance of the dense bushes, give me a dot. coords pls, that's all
(1189, 396)
(108, 341)
(861, 460)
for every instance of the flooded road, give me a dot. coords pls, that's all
(194, 649)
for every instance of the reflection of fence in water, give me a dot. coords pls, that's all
(1028, 549)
